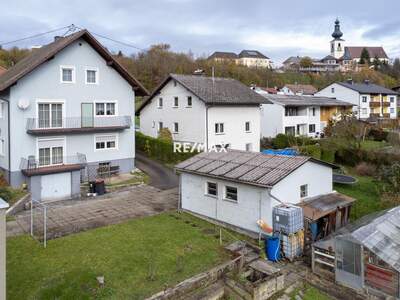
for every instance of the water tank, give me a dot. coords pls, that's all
(287, 219)
(273, 248)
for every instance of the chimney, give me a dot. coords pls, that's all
(350, 80)
(57, 37)
(366, 81)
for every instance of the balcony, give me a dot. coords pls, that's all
(386, 104)
(31, 166)
(375, 104)
(77, 125)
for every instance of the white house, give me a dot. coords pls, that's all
(253, 58)
(66, 107)
(371, 101)
(298, 115)
(298, 89)
(213, 112)
(239, 188)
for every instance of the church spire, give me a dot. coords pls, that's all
(337, 34)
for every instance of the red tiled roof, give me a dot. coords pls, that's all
(355, 52)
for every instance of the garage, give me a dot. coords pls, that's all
(56, 186)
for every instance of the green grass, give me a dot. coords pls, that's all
(373, 145)
(170, 246)
(311, 293)
(366, 191)
(138, 178)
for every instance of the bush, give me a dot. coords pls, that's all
(159, 149)
(311, 150)
(266, 143)
(365, 169)
(281, 141)
(377, 134)
(6, 194)
(165, 135)
(390, 177)
(328, 155)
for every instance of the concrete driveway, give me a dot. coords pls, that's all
(73, 216)
(161, 177)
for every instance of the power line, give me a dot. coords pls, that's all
(34, 36)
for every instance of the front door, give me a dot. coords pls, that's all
(87, 115)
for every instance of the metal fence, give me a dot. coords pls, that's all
(32, 163)
(39, 222)
(79, 122)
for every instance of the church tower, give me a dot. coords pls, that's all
(337, 44)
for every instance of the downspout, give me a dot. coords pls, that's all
(206, 147)
(9, 139)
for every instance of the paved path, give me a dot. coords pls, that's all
(74, 216)
(161, 177)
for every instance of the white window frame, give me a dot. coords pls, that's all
(50, 101)
(218, 131)
(175, 131)
(1, 109)
(159, 127)
(315, 128)
(158, 102)
(364, 111)
(2, 146)
(306, 191)
(105, 108)
(116, 135)
(332, 90)
(249, 147)
(175, 105)
(64, 146)
(364, 97)
(73, 74)
(187, 101)
(97, 76)
(225, 193)
(216, 188)
(245, 125)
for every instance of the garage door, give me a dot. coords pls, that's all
(56, 186)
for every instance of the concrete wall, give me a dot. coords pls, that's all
(44, 84)
(234, 119)
(191, 120)
(3, 208)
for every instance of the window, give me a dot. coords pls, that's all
(290, 130)
(364, 99)
(311, 128)
(290, 111)
(160, 126)
(92, 76)
(219, 128)
(189, 101)
(50, 156)
(50, 115)
(212, 189)
(57, 155)
(175, 83)
(364, 111)
(67, 74)
(304, 191)
(247, 126)
(249, 147)
(391, 99)
(2, 146)
(333, 90)
(231, 193)
(392, 110)
(105, 109)
(312, 111)
(160, 102)
(1, 109)
(176, 101)
(44, 156)
(176, 127)
(103, 142)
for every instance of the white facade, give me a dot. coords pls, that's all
(254, 62)
(363, 107)
(275, 119)
(253, 203)
(196, 123)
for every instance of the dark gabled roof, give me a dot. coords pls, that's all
(328, 57)
(212, 91)
(251, 168)
(306, 89)
(45, 53)
(223, 55)
(292, 60)
(295, 100)
(355, 52)
(252, 54)
(367, 88)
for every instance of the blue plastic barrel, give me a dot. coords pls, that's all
(272, 248)
(314, 230)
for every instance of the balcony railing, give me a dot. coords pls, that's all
(374, 104)
(32, 166)
(77, 125)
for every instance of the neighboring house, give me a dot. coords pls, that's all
(292, 63)
(371, 101)
(249, 58)
(223, 56)
(254, 59)
(213, 112)
(2, 70)
(265, 90)
(298, 89)
(239, 188)
(397, 90)
(67, 106)
(364, 255)
(299, 115)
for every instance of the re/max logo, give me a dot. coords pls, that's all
(197, 147)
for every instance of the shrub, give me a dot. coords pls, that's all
(393, 138)
(377, 134)
(281, 141)
(328, 155)
(390, 177)
(365, 169)
(266, 143)
(5, 193)
(311, 150)
(165, 135)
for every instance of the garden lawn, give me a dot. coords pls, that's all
(366, 192)
(137, 259)
(373, 145)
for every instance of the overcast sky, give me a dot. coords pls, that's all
(277, 28)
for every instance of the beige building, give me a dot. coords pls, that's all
(249, 58)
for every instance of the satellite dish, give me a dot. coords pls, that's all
(23, 104)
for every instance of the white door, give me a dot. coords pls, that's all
(56, 186)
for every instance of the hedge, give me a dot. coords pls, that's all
(160, 150)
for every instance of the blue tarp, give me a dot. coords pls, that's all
(287, 151)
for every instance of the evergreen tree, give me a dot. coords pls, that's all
(365, 58)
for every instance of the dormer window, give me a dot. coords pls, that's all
(67, 74)
(92, 76)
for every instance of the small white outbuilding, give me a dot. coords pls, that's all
(239, 188)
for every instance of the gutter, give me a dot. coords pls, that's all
(9, 139)
(206, 148)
